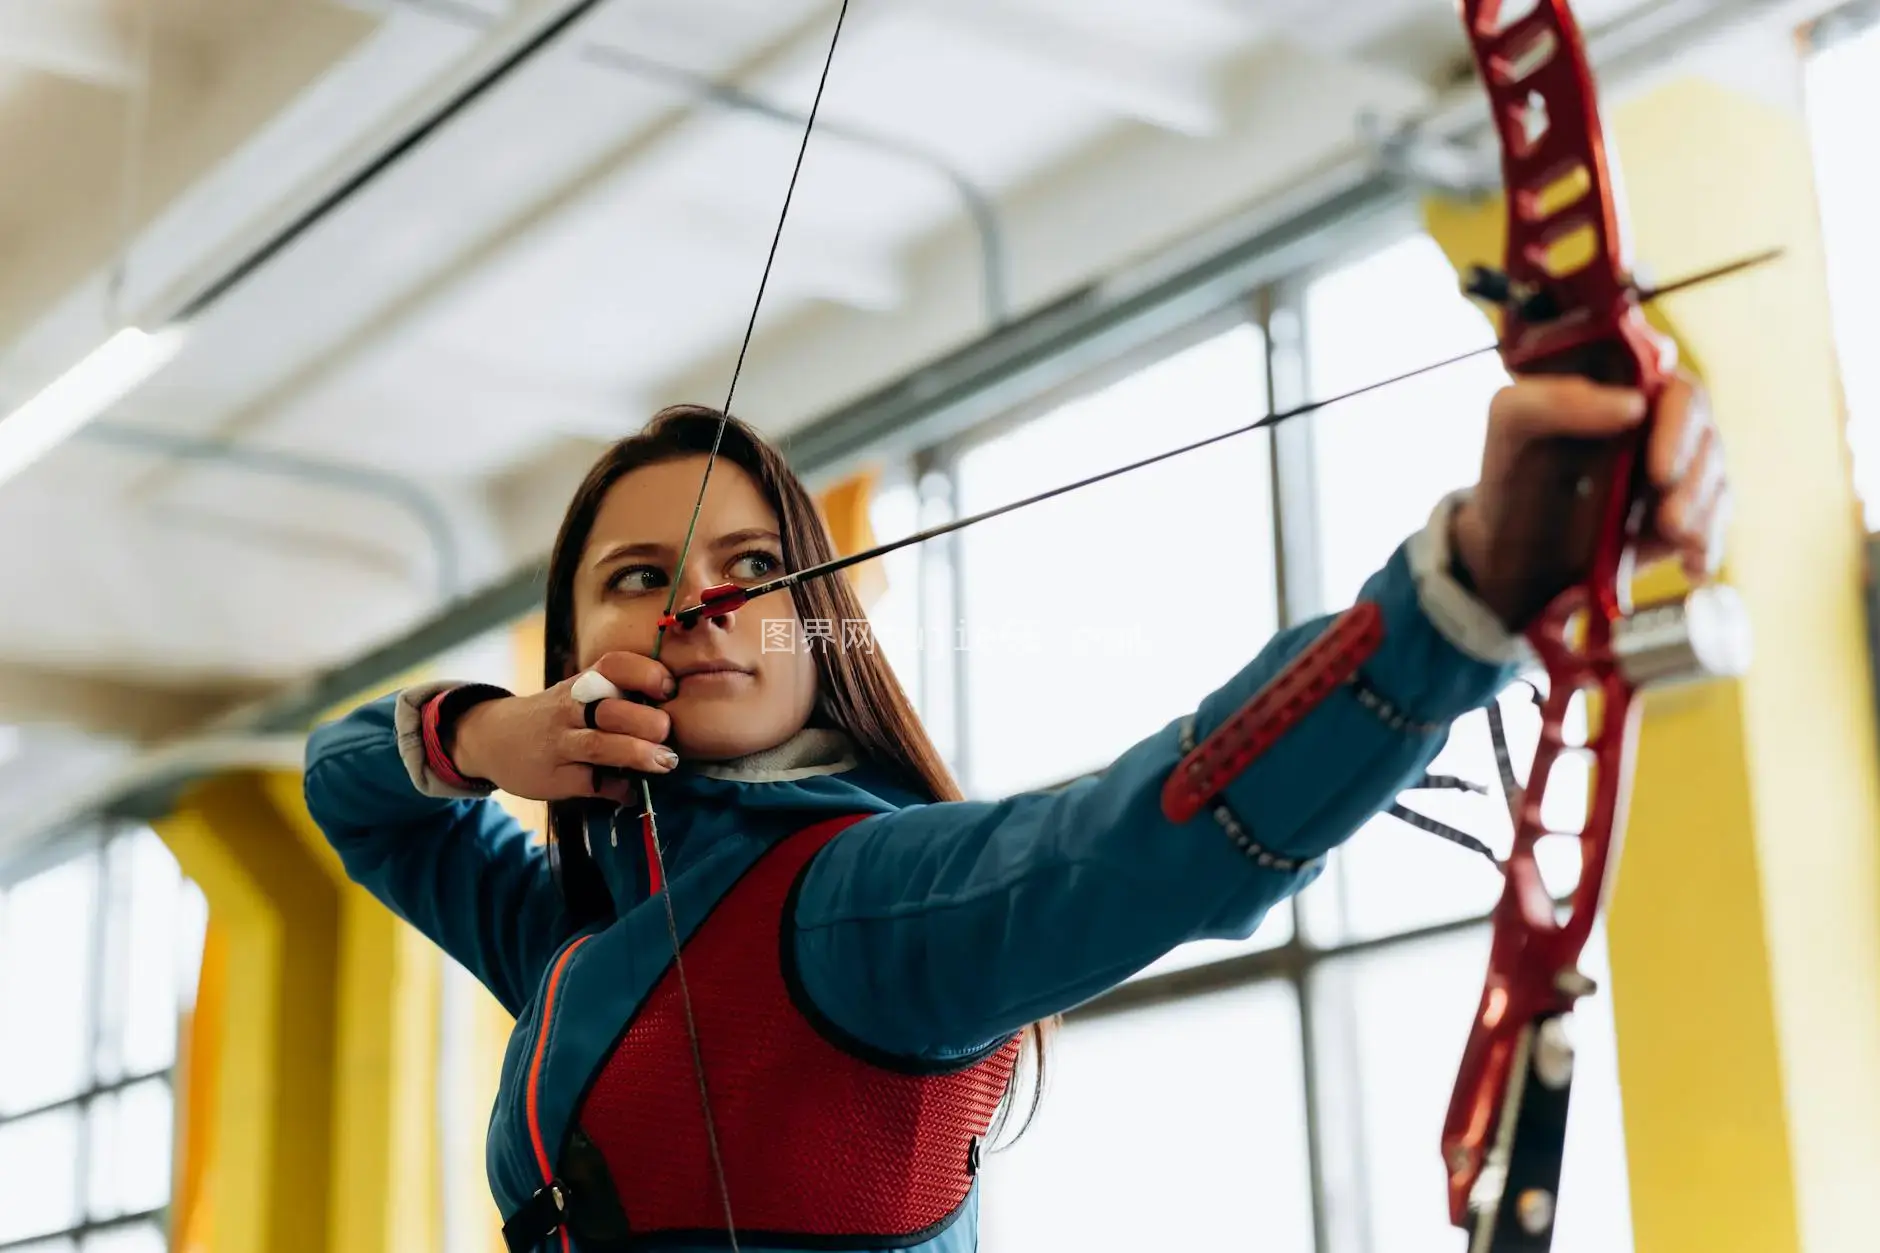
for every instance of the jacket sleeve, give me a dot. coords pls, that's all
(455, 865)
(935, 930)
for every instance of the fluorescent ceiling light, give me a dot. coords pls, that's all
(106, 376)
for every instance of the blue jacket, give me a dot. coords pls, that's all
(927, 930)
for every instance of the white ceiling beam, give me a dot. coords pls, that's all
(214, 92)
(1135, 82)
(451, 12)
(73, 39)
(810, 261)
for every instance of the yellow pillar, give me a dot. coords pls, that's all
(1745, 928)
(274, 904)
(385, 1190)
(845, 511)
(322, 1130)
(198, 1076)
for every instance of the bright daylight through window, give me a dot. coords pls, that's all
(1843, 93)
(105, 947)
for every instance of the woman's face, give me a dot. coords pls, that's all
(737, 695)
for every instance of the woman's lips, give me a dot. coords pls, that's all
(715, 675)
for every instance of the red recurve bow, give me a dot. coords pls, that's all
(1569, 306)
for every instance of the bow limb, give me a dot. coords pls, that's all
(1569, 306)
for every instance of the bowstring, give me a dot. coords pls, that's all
(649, 820)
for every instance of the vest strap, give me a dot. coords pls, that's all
(540, 1217)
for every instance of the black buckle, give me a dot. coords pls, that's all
(540, 1217)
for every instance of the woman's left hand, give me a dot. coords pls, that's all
(1683, 461)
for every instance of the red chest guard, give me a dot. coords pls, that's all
(824, 1145)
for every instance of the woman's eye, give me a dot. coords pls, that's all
(637, 579)
(755, 565)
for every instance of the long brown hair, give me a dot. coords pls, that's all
(859, 693)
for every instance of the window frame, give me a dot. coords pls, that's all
(93, 840)
(944, 458)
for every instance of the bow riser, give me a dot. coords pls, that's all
(1569, 308)
(1569, 305)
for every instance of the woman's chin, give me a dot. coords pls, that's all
(723, 719)
(696, 739)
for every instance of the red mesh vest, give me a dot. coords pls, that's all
(824, 1145)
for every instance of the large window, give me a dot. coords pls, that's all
(1177, 1127)
(98, 959)
(1842, 80)
(1068, 608)
(1286, 1092)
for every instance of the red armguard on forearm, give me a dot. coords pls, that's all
(1328, 661)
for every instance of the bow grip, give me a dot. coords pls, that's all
(1573, 516)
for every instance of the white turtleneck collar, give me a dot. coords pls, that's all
(810, 752)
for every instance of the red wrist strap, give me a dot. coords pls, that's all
(434, 755)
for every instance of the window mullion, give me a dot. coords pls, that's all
(954, 643)
(1290, 465)
(1295, 499)
(942, 681)
(1334, 1084)
(99, 964)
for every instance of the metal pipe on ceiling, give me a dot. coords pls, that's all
(994, 260)
(395, 490)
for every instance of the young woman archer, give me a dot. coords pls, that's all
(865, 953)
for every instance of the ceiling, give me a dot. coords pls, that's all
(390, 411)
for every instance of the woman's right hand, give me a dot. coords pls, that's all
(541, 747)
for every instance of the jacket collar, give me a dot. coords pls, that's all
(810, 752)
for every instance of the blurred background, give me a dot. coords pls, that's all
(305, 341)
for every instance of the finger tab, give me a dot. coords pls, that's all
(592, 686)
